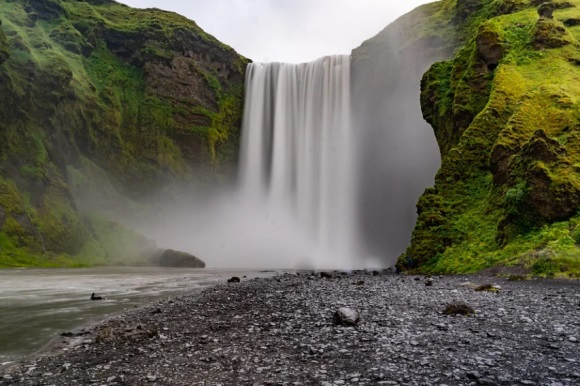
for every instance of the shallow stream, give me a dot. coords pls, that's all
(37, 305)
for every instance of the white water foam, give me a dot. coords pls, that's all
(297, 159)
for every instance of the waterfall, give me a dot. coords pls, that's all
(297, 157)
(317, 188)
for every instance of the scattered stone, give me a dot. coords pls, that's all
(93, 297)
(517, 278)
(487, 288)
(473, 375)
(458, 309)
(429, 282)
(346, 317)
(326, 275)
(269, 332)
(234, 279)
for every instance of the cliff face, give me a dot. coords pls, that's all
(506, 115)
(395, 142)
(103, 103)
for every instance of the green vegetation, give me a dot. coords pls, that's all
(100, 105)
(506, 114)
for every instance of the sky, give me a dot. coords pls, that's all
(291, 31)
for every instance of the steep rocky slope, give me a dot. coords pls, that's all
(104, 104)
(506, 115)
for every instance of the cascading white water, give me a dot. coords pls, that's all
(297, 156)
(316, 190)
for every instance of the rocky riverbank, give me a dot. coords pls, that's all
(282, 331)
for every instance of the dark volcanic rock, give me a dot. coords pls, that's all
(346, 317)
(571, 22)
(234, 279)
(94, 297)
(171, 258)
(551, 34)
(280, 332)
(458, 309)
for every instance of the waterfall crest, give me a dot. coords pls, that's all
(297, 156)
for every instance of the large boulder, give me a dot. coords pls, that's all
(346, 317)
(177, 259)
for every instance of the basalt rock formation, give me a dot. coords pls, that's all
(102, 104)
(506, 115)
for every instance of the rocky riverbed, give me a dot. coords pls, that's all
(283, 331)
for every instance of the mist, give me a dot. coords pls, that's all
(227, 230)
(293, 206)
(399, 155)
(394, 158)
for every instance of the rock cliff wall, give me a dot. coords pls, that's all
(506, 114)
(396, 144)
(103, 104)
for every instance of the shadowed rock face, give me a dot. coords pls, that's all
(4, 46)
(399, 153)
(107, 106)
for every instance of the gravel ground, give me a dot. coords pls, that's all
(281, 331)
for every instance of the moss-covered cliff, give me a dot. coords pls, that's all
(101, 102)
(506, 114)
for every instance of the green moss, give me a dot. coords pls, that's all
(71, 39)
(552, 34)
(4, 46)
(93, 106)
(13, 256)
(507, 131)
(114, 244)
(515, 198)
